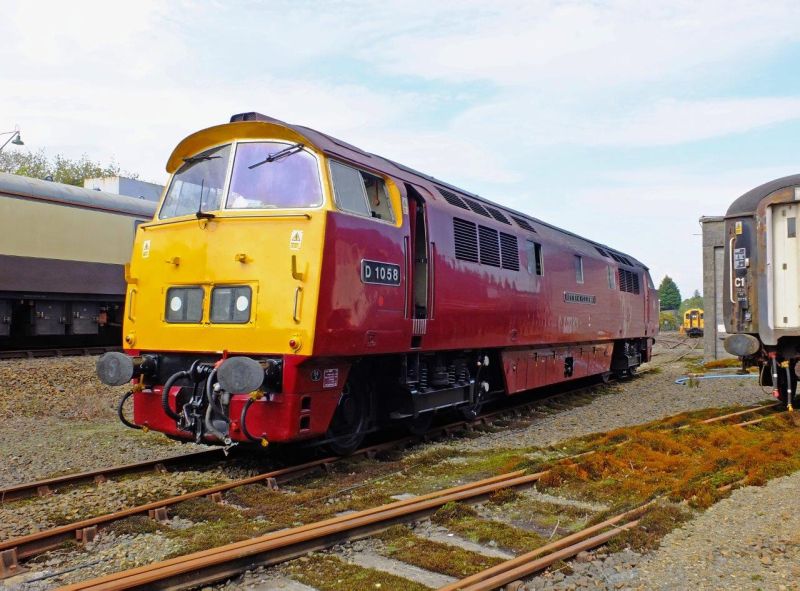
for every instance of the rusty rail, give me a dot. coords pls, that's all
(30, 545)
(24, 547)
(760, 419)
(85, 530)
(740, 413)
(540, 558)
(50, 485)
(216, 564)
(55, 352)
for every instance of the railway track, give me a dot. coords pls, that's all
(14, 550)
(55, 352)
(48, 486)
(224, 562)
(17, 549)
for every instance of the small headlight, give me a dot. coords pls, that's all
(231, 304)
(184, 304)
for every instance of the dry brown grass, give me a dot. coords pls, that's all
(689, 464)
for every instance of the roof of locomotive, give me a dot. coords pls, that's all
(39, 190)
(748, 203)
(342, 149)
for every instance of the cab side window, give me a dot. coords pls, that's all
(360, 192)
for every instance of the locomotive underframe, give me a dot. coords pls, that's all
(321, 399)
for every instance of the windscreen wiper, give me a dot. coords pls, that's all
(200, 158)
(278, 155)
(200, 214)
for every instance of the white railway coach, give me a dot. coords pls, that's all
(62, 256)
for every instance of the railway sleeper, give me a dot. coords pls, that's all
(9, 564)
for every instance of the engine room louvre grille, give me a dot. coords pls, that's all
(509, 252)
(452, 198)
(628, 281)
(523, 223)
(498, 215)
(465, 236)
(477, 207)
(490, 246)
(601, 251)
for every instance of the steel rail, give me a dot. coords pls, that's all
(30, 545)
(56, 352)
(546, 550)
(85, 530)
(740, 413)
(51, 485)
(27, 546)
(729, 415)
(535, 565)
(212, 565)
(760, 419)
(48, 486)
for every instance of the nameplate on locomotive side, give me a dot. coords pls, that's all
(579, 298)
(380, 273)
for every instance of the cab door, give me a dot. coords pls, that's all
(420, 300)
(785, 278)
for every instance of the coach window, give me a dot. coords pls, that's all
(533, 251)
(578, 268)
(360, 192)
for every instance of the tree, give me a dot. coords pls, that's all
(667, 321)
(696, 301)
(669, 294)
(59, 169)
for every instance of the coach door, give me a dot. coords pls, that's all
(419, 309)
(785, 270)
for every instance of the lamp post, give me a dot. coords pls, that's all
(14, 139)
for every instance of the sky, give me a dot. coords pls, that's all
(620, 120)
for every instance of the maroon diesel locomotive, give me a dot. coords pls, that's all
(294, 287)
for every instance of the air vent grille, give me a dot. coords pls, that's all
(452, 198)
(628, 281)
(601, 251)
(509, 252)
(477, 207)
(465, 235)
(489, 246)
(621, 259)
(523, 223)
(498, 215)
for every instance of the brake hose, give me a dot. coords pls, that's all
(243, 420)
(121, 415)
(165, 393)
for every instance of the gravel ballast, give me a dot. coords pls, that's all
(744, 542)
(57, 418)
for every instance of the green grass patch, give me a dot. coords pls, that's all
(402, 544)
(136, 525)
(654, 525)
(465, 521)
(329, 573)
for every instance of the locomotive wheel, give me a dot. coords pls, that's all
(419, 425)
(471, 411)
(349, 424)
(631, 371)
